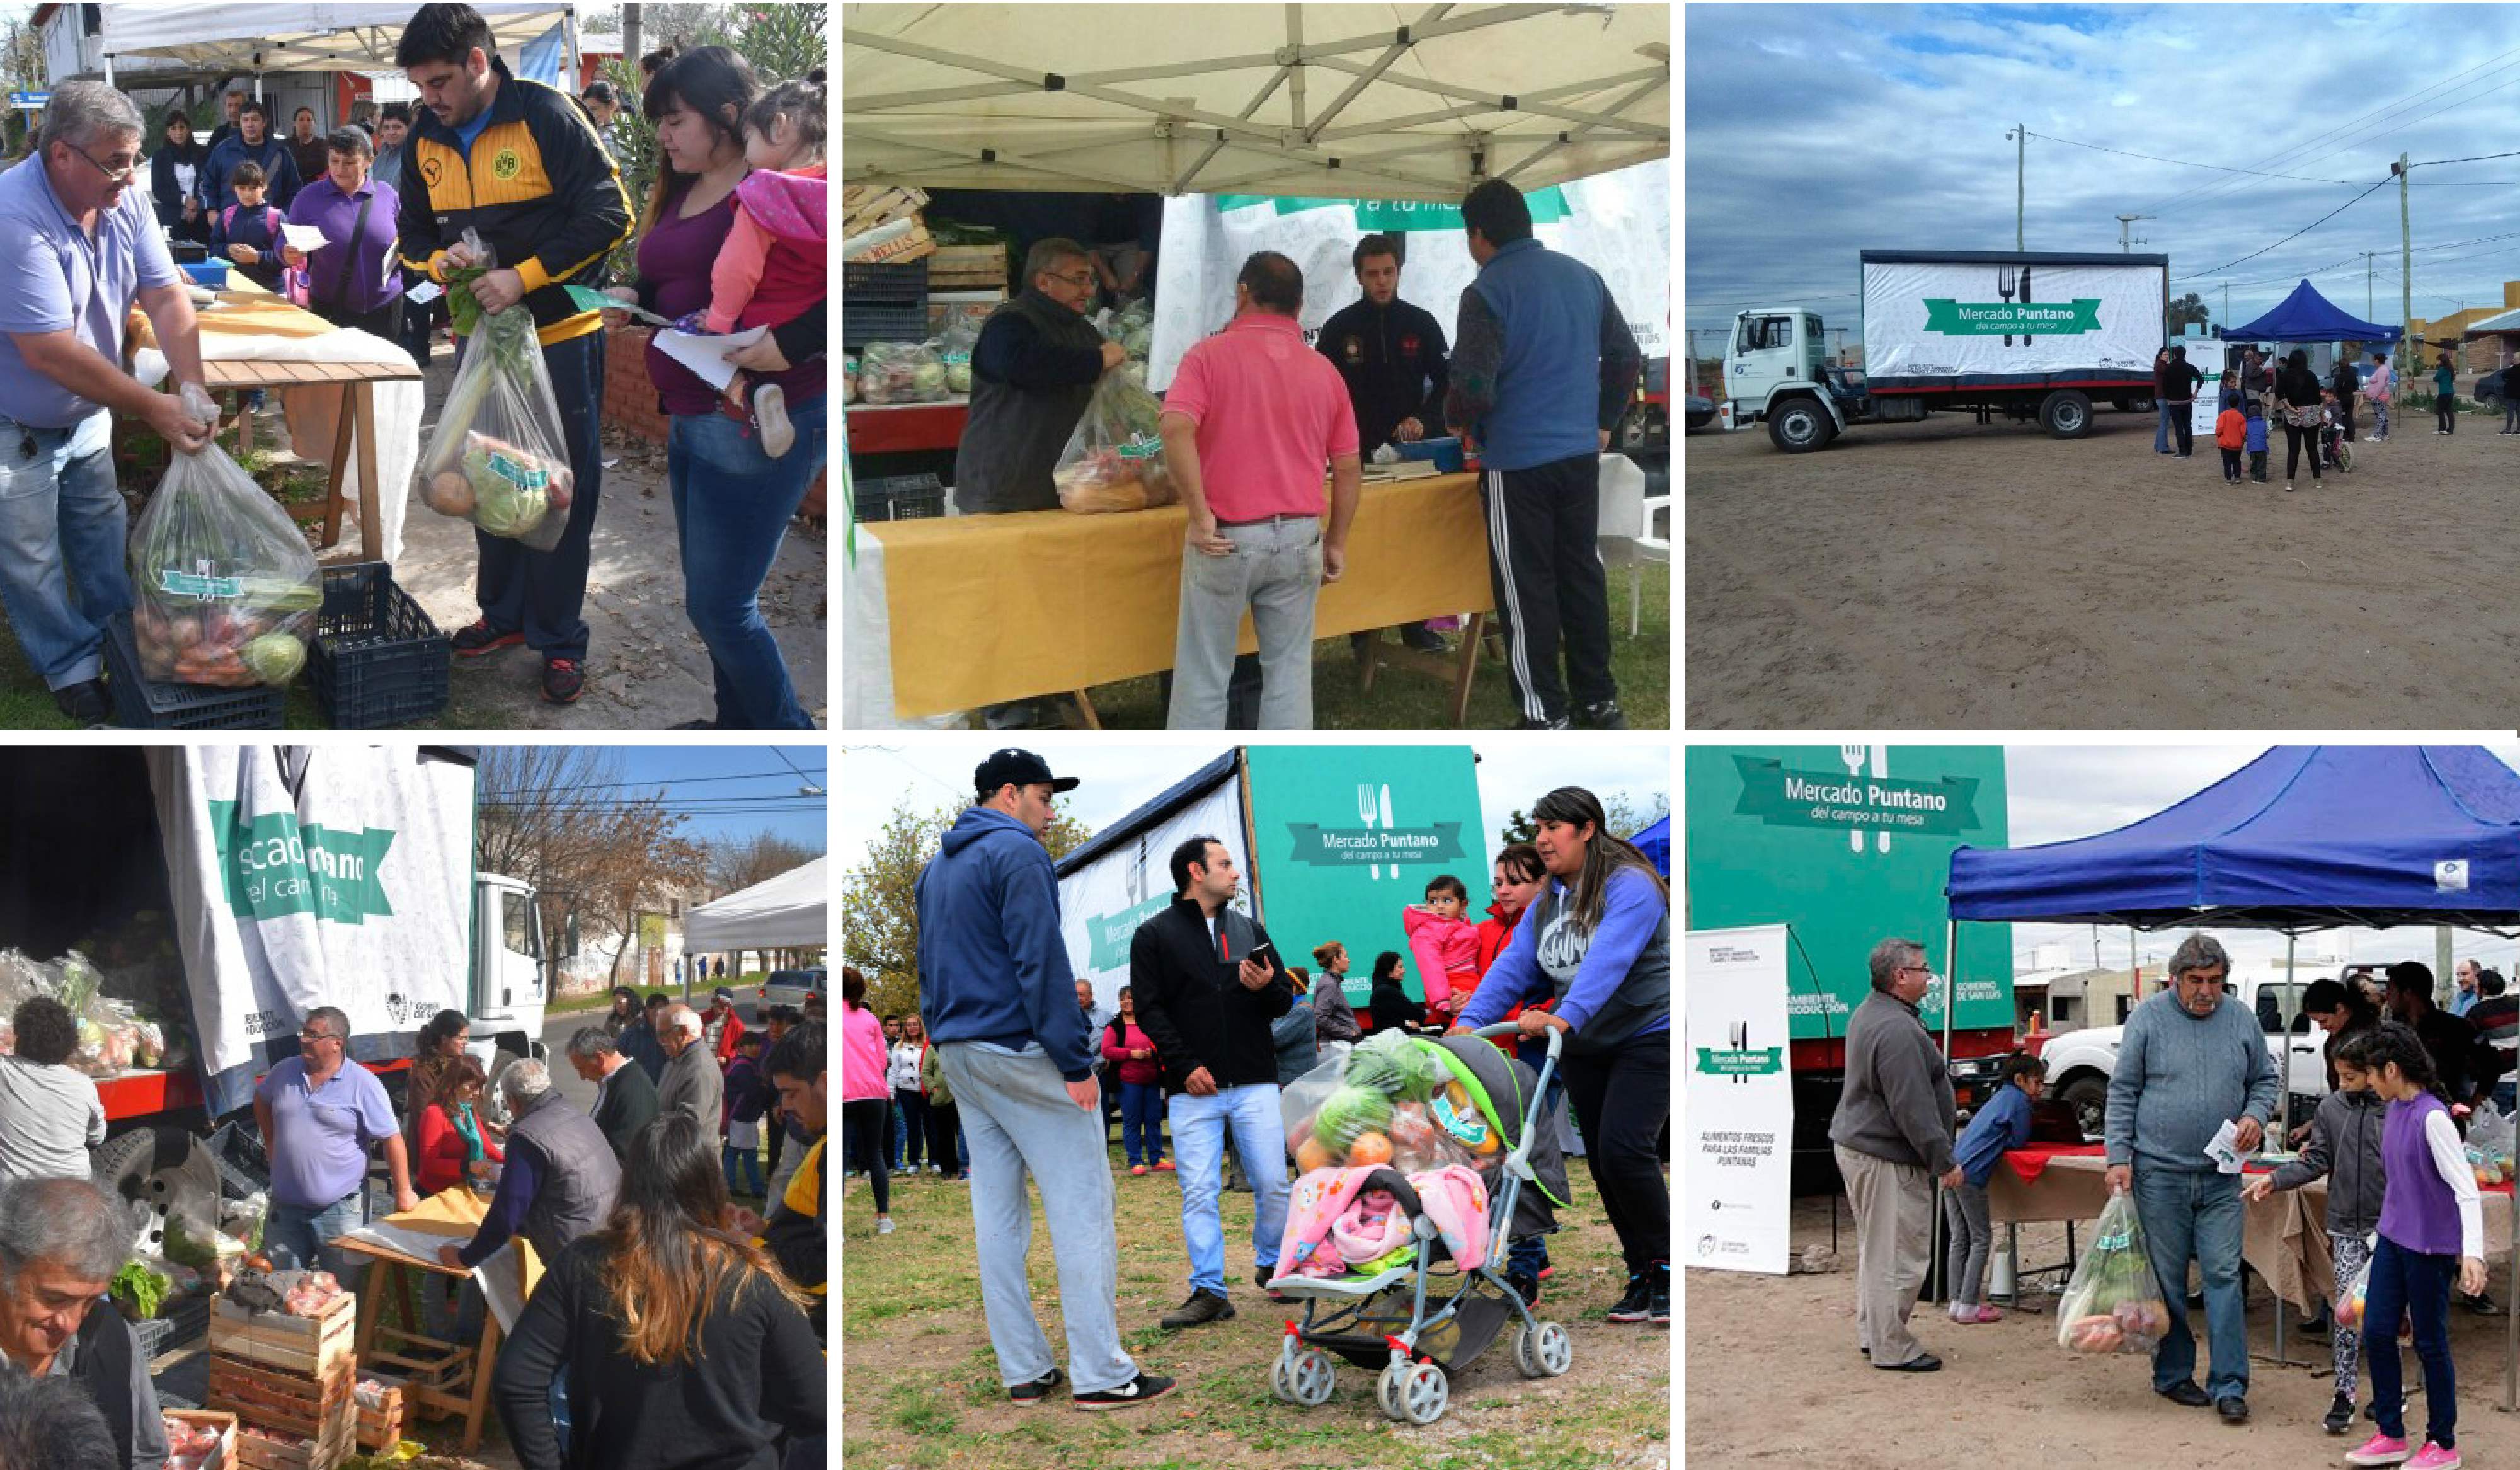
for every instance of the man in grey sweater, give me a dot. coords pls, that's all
(1893, 1134)
(2190, 1060)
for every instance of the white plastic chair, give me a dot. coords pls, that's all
(1626, 529)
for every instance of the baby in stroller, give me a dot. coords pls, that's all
(1423, 1160)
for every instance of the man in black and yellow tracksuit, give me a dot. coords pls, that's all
(518, 162)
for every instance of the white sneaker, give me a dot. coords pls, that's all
(770, 411)
(884, 1226)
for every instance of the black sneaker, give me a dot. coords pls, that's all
(2234, 1408)
(1658, 1309)
(2185, 1391)
(563, 680)
(1560, 724)
(1524, 1285)
(1030, 1394)
(2481, 1305)
(2340, 1415)
(477, 638)
(1261, 1276)
(1638, 1304)
(1203, 1305)
(1605, 715)
(1134, 1391)
(84, 704)
(1423, 639)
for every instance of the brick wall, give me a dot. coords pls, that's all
(630, 400)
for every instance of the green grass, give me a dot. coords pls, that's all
(1402, 700)
(922, 1389)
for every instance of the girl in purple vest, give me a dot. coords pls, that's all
(2432, 1233)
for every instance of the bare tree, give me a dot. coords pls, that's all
(757, 858)
(561, 818)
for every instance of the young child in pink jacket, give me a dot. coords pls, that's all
(1446, 946)
(774, 267)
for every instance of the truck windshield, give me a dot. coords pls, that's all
(518, 916)
(1760, 334)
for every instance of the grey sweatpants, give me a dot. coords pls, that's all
(1964, 1259)
(1894, 1241)
(1019, 1119)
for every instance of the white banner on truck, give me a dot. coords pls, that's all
(1101, 904)
(1951, 320)
(305, 876)
(1618, 223)
(1740, 1126)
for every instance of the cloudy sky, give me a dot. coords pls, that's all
(1814, 131)
(1116, 778)
(2058, 792)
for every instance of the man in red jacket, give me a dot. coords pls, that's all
(720, 1026)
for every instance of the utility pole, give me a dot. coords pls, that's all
(2126, 246)
(2020, 137)
(2226, 304)
(2368, 270)
(2406, 272)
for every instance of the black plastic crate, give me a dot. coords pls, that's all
(887, 322)
(898, 497)
(878, 285)
(377, 660)
(144, 703)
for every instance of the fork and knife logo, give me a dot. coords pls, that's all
(1856, 758)
(1372, 812)
(2007, 282)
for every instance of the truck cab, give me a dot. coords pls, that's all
(508, 988)
(1777, 368)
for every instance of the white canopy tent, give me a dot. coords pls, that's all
(1366, 101)
(238, 39)
(787, 912)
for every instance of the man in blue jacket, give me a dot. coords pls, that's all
(1544, 367)
(1000, 1003)
(251, 143)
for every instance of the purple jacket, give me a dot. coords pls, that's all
(2420, 1211)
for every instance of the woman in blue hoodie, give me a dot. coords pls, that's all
(1597, 943)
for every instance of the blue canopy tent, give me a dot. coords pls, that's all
(2301, 839)
(1655, 842)
(2307, 316)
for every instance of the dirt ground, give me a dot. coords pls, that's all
(646, 669)
(1993, 577)
(1773, 1374)
(920, 1386)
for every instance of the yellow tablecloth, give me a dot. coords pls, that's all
(456, 1214)
(986, 608)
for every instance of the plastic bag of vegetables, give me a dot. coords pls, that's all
(1382, 1104)
(498, 458)
(955, 350)
(901, 372)
(1114, 461)
(224, 586)
(2114, 1303)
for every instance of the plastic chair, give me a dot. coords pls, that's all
(1626, 531)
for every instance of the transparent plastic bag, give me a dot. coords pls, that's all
(954, 349)
(1383, 1104)
(1114, 461)
(224, 587)
(499, 458)
(901, 372)
(2114, 1303)
(2489, 1133)
(2350, 1297)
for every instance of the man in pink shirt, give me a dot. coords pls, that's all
(1252, 415)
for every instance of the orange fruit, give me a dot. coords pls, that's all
(1369, 1149)
(1310, 1156)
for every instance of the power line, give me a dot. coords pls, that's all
(680, 780)
(2477, 159)
(2295, 235)
(2184, 163)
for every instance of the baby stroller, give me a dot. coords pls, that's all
(1429, 1309)
(2334, 452)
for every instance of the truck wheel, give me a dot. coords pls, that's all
(2140, 403)
(142, 1171)
(2067, 413)
(1801, 426)
(2088, 1097)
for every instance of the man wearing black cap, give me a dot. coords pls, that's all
(1000, 1003)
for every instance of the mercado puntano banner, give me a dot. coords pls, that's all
(1738, 1175)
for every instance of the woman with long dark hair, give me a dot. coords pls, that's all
(1596, 944)
(683, 1344)
(731, 499)
(174, 175)
(2297, 391)
(441, 1042)
(1387, 1004)
(452, 1138)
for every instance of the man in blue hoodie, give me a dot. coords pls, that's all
(1000, 1003)
(251, 143)
(1543, 370)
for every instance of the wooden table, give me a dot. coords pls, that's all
(473, 1408)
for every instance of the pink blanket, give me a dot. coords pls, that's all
(1455, 1199)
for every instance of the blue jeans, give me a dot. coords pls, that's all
(2410, 1285)
(732, 505)
(297, 1238)
(1199, 1125)
(1142, 1122)
(748, 1161)
(543, 593)
(2196, 1215)
(2161, 434)
(62, 534)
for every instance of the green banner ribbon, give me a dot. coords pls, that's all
(1548, 206)
(207, 588)
(1954, 318)
(273, 865)
(1781, 797)
(1759, 1062)
(1320, 846)
(1108, 936)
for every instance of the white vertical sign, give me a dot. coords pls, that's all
(1741, 1119)
(2206, 356)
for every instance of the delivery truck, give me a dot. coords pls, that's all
(1846, 846)
(213, 896)
(2025, 336)
(1331, 841)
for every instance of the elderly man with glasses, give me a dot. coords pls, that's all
(61, 1242)
(2190, 1060)
(79, 247)
(1893, 1137)
(319, 1114)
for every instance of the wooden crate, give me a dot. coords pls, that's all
(381, 1425)
(968, 266)
(863, 206)
(319, 1408)
(226, 1426)
(300, 1345)
(255, 1451)
(915, 246)
(426, 1366)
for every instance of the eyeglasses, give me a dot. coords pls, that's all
(1079, 282)
(121, 175)
(311, 1035)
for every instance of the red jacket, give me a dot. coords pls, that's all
(1132, 1070)
(443, 1153)
(1495, 932)
(726, 1037)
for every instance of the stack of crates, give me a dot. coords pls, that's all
(289, 1380)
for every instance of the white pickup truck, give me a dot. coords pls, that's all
(2080, 1061)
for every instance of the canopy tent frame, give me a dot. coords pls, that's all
(1366, 61)
(2291, 920)
(220, 46)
